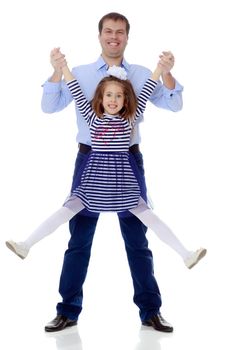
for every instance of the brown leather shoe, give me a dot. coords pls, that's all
(59, 323)
(158, 323)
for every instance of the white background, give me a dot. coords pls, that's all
(188, 162)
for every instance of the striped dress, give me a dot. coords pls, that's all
(109, 180)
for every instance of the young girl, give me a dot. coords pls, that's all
(110, 180)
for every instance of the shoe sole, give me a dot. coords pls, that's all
(8, 244)
(200, 256)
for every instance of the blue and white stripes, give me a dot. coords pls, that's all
(108, 182)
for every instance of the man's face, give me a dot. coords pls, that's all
(113, 38)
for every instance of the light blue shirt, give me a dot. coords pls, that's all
(56, 96)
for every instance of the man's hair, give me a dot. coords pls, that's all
(115, 17)
(130, 99)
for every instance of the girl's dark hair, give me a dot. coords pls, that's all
(130, 99)
(115, 17)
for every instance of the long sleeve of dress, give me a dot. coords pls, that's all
(84, 106)
(147, 90)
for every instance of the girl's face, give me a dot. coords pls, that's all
(113, 98)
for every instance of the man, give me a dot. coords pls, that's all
(113, 37)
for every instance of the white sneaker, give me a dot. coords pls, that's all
(19, 248)
(195, 257)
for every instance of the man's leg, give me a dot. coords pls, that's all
(74, 270)
(75, 265)
(76, 260)
(146, 291)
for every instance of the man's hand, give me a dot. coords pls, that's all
(166, 61)
(58, 61)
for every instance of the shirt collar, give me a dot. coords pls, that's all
(100, 63)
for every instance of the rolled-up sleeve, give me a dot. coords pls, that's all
(170, 99)
(55, 97)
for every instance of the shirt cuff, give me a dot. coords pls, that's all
(178, 88)
(49, 86)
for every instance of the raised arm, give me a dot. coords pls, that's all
(75, 89)
(56, 95)
(166, 63)
(157, 73)
(57, 60)
(68, 76)
(169, 95)
(147, 90)
(60, 67)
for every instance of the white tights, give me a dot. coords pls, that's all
(164, 233)
(142, 212)
(61, 216)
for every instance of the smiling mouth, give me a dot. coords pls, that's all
(113, 44)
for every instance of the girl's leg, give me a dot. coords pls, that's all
(150, 220)
(163, 232)
(61, 216)
(58, 218)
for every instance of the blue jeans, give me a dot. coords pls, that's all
(82, 228)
